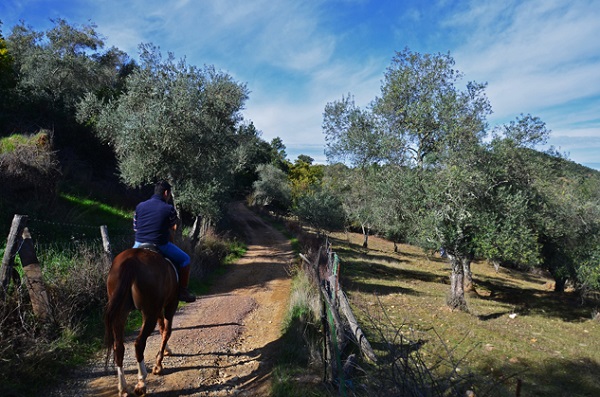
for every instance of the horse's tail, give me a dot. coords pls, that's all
(117, 302)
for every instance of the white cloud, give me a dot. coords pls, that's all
(545, 54)
(538, 56)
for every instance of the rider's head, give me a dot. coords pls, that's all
(162, 187)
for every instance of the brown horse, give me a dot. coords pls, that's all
(139, 279)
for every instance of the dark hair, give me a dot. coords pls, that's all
(161, 187)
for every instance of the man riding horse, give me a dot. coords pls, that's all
(154, 222)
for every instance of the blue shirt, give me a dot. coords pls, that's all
(153, 220)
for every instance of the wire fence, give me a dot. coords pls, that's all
(52, 239)
(339, 323)
(70, 237)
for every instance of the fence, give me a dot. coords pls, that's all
(20, 242)
(335, 309)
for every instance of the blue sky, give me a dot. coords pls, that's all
(538, 56)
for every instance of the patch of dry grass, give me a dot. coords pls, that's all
(517, 327)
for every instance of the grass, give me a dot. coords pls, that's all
(10, 143)
(298, 370)
(517, 327)
(96, 209)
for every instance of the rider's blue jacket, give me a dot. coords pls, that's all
(153, 220)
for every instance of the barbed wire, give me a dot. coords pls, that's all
(69, 224)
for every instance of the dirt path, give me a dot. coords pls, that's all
(223, 344)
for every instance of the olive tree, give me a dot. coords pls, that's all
(272, 188)
(321, 209)
(354, 137)
(441, 184)
(173, 121)
(58, 66)
(50, 72)
(561, 202)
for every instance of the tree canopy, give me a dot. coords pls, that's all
(423, 171)
(173, 121)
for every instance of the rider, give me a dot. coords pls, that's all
(154, 221)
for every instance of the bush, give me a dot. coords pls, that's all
(321, 209)
(206, 255)
(30, 349)
(29, 168)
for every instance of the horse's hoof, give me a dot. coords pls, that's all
(140, 390)
(168, 352)
(157, 370)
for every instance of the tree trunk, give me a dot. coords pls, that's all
(106, 243)
(456, 299)
(468, 275)
(178, 234)
(195, 233)
(559, 284)
(365, 236)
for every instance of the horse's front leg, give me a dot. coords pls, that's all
(140, 388)
(161, 327)
(165, 331)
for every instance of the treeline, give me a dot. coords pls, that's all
(421, 165)
(123, 123)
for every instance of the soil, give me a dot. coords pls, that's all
(225, 343)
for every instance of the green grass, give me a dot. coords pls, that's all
(237, 249)
(298, 370)
(10, 143)
(95, 212)
(517, 327)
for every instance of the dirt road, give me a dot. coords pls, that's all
(225, 343)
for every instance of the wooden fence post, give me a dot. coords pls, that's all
(12, 246)
(106, 243)
(33, 277)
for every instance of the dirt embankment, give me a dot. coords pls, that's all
(226, 342)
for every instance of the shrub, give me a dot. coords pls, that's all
(29, 166)
(30, 349)
(207, 255)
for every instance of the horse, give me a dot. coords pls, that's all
(139, 279)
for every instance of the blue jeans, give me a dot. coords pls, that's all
(179, 258)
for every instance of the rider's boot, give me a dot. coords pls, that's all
(184, 279)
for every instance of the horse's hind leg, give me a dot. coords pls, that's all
(119, 353)
(119, 350)
(140, 345)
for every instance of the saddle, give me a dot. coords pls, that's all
(153, 247)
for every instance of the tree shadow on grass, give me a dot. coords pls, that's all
(365, 268)
(559, 377)
(526, 301)
(377, 289)
(344, 246)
